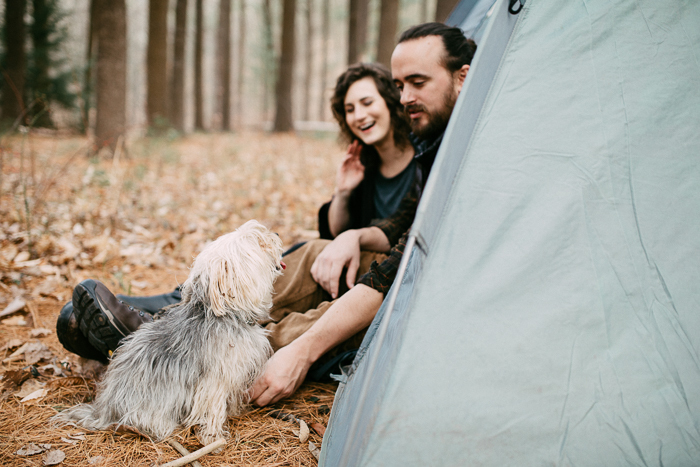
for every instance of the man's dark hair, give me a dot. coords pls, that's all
(460, 50)
(387, 89)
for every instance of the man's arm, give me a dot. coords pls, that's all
(287, 368)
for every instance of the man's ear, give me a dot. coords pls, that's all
(461, 76)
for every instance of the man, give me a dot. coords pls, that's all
(429, 66)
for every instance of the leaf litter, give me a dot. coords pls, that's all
(136, 225)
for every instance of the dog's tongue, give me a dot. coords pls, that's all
(284, 266)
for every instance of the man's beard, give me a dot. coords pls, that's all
(437, 121)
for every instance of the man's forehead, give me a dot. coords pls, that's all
(418, 57)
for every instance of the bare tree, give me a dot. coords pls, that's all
(283, 113)
(388, 23)
(443, 9)
(357, 30)
(325, 24)
(198, 47)
(424, 11)
(90, 58)
(156, 62)
(309, 60)
(241, 62)
(223, 64)
(15, 61)
(111, 72)
(177, 94)
(269, 58)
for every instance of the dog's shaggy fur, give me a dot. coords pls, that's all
(194, 365)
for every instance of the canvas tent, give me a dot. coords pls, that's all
(547, 311)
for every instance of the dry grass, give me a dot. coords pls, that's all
(135, 223)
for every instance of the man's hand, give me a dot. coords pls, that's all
(283, 375)
(286, 370)
(342, 252)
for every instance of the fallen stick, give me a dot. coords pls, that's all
(197, 454)
(181, 449)
(35, 318)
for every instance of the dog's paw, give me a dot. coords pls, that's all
(207, 437)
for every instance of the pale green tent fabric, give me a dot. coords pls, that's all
(550, 310)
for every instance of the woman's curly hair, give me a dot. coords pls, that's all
(387, 89)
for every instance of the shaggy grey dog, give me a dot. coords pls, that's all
(194, 365)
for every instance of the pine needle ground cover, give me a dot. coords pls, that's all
(135, 222)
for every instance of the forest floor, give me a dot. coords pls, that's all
(135, 222)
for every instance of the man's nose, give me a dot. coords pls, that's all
(407, 96)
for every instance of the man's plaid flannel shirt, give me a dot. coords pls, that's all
(396, 227)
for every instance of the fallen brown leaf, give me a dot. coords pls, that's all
(39, 332)
(318, 428)
(14, 321)
(36, 352)
(314, 450)
(54, 457)
(15, 305)
(13, 379)
(12, 344)
(303, 431)
(38, 394)
(31, 449)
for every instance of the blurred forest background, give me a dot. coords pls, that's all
(134, 132)
(108, 66)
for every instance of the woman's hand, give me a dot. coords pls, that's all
(351, 171)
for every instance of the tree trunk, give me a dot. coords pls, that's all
(443, 9)
(156, 62)
(283, 114)
(177, 98)
(325, 23)
(388, 23)
(223, 65)
(241, 63)
(424, 12)
(269, 69)
(308, 60)
(39, 82)
(15, 61)
(90, 58)
(198, 47)
(111, 72)
(357, 30)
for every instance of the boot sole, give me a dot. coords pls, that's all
(95, 323)
(72, 339)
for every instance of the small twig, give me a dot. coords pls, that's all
(197, 454)
(35, 316)
(181, 449)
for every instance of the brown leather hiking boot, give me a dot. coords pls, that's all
(103, 318)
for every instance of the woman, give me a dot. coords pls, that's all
(378, 168)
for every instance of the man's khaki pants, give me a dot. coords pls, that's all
(299, 301)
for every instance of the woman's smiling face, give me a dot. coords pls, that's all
(366, 112)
